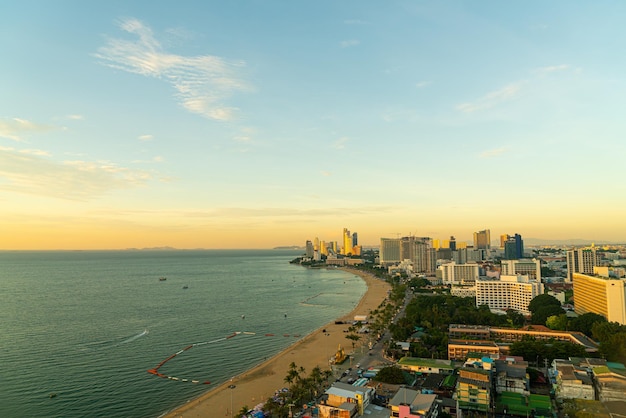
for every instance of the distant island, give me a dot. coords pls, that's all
(289, 247)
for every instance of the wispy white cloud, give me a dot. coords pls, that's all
(422, 84)
(202, 83)
(32, 172)
(492, 99)
(146, 137)
(348, 43)
(75, 117)
(493, 152)
(16, 128)
(552, 69)
(326, 173)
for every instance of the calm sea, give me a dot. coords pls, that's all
(87, 325)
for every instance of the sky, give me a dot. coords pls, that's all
(255, 124)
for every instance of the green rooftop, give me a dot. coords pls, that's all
(426, 362)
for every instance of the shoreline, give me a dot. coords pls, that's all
(259, 383)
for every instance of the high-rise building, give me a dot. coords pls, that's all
(510, 292)
(514, 247)
(482, 240)
(415, 249)
(390, 251)
(323, 248)
(600, 295)
(309, 250)
(346, 242)
(581, 260)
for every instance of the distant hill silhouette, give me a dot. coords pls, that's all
(565, 242)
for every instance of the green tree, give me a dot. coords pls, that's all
(541, 301)
(542, 313)
(391, 374)
(602, 331)
(584, 323)
(612, 338)
(557, 322)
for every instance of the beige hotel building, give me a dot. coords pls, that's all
(600, 294)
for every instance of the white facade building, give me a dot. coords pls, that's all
(510, 292)
(459, 274)
(524, 266)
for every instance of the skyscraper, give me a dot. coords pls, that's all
(581, 260)
(346, 242)
(482, 240)
(390, 251)
(514, 247)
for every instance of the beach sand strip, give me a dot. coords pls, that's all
(259, 383)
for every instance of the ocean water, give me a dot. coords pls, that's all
(87, 325)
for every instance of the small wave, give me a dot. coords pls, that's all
(134, 337)
(108, 344)
(313, 305)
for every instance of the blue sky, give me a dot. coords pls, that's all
(262, 123)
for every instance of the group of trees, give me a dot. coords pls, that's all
(542, 307)
(434, 313)
(546, 310)
(303, 388)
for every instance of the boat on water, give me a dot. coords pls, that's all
(185, 287)
(162, 279)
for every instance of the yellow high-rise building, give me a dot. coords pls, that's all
(601, 295)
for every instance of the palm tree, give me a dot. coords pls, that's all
(354, 338)
(243, 411)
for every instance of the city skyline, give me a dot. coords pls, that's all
(263, 124)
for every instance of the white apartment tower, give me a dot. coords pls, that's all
(459, 274)
(510, 292)
(524, 267)
(390, 251)
(581, 260)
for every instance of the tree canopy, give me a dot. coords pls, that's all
(542, 301)
(392, 375)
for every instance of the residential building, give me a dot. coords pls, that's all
(409, 403)
(524, 266)
(390, 251)
(514, 247)
(342, 397)
(473, 390)
(509, 292)
(570, 382)
(416, 249)
(581, 260)
(511, 376)
(459, 274)
(482, 240)
(610, 382)
(601, 295)
(459, 349)
(426, 365)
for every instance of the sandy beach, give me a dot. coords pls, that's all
(258, 384)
